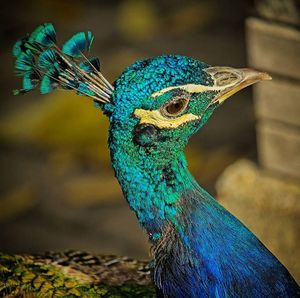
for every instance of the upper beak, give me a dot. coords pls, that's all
(228, 81)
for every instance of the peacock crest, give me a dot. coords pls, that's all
(41, 62)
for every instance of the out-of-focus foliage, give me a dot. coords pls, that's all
(143, 20)
(17, 201)
(138, 19)
(62, 122)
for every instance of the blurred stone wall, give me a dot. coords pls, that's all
(267, 198)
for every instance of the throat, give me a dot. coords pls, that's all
(152, 186)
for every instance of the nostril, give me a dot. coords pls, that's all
(224, 78)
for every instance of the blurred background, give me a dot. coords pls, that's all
(57, 189)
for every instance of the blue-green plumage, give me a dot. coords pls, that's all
(30, 80)
(44, 35)
(17, 48)
(154, 107)
(24, 62)
(47, 59)
(83, 89)
(91, 65)
(49, 81)
(78, 44)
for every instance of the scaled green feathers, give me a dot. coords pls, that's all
(73, 274)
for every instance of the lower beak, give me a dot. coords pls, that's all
(228, 81)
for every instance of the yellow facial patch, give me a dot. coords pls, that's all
(155, 118)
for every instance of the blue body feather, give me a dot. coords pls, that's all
(220, 257)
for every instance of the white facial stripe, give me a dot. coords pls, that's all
(223, 77)
(192, 88)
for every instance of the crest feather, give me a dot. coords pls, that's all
(41, 62)
(78, 44)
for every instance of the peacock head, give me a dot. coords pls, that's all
(161, 102)
(155, 103)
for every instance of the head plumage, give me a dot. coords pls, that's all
(41, 62)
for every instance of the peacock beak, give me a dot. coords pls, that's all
(228, 81)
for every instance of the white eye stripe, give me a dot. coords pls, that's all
(223, 77)
(191, 88)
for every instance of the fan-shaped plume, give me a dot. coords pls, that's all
(30, 80)
(44, 35)
(24, 62)
(91, 65)
(78, 44)
(47, 59)
(17, 48)
(41, 62)
(49, 81)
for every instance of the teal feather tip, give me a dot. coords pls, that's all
(47, 59)
(49, 81)
(25, 45)
(17, 48)
(30, 80)
(78, 44)
(44, 34)
(24, 62)
(83, 89)
(19, 91)
(90, 65)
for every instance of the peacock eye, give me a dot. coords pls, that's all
(175, 107)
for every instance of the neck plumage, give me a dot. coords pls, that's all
(151, 184)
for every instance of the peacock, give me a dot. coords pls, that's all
(199, 249)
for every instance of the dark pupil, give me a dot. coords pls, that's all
(175, 107)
